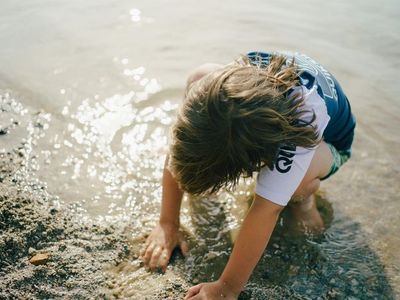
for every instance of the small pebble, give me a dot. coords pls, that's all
(39, 259)
(177, 285)
(32, 251)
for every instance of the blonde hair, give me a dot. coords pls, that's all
(233, 122)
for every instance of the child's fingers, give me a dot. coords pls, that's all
(153, 264)
(146, 245)
(148, 253)
(194, 290)
(184, 247)
(164, 259)
(143, 251)
(196, 297)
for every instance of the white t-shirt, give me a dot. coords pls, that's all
(291, 165)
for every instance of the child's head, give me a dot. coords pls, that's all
(232, 123)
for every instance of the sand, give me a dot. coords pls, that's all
(30, 225)
(46, 252)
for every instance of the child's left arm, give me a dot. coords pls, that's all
(253, 237)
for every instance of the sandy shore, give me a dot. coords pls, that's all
(47, 252)
(79, 260)
(84, 261)
(30, 225)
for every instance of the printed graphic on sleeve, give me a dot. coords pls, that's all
(285, 159)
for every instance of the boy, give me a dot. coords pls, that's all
(279, 114)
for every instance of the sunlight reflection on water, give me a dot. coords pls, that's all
(116, 147)
(102, 137)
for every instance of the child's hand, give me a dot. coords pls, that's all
(216, 290)
(160, 244)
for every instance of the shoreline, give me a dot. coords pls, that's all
(80, 260)
(30, 225)
(85, 261)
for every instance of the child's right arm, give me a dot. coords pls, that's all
(166, 235)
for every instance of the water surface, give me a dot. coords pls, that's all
(107, 77)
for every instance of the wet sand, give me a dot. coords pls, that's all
(92, 261)
(86, 259)
(30, 225)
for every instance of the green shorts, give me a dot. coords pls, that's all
(339, 158)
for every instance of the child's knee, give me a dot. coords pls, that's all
(305, 190)
(322, 161)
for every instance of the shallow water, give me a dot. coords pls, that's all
(107, 77)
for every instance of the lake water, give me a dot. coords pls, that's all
(106, 78)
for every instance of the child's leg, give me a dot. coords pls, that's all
(302, 204)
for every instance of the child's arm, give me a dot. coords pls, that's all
(166, 235)
(253, 237)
